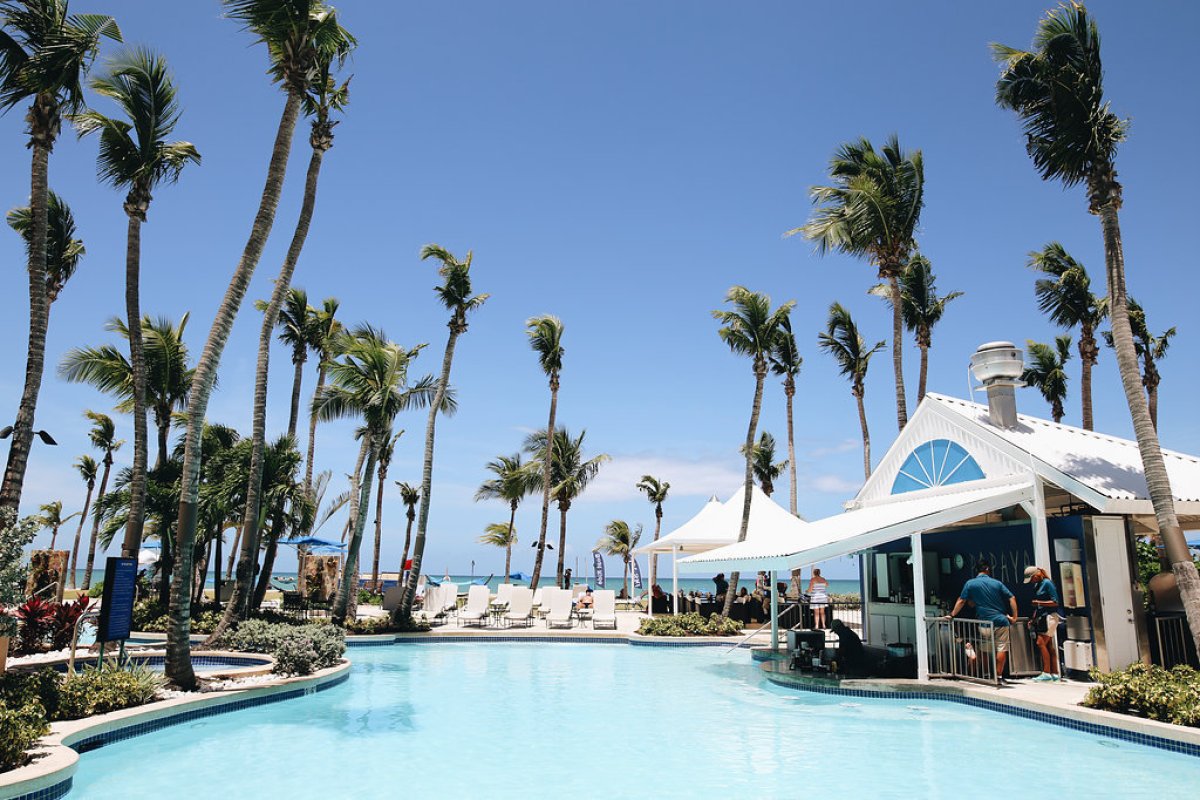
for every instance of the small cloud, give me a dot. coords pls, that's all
(844, 446)
(688, 477)
(833, 484)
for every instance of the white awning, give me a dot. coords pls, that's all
(862, 528)
(718, 524)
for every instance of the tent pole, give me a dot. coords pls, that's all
(774, 614)
(918, 565)
(675, 578)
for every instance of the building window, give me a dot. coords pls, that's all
(936, 463)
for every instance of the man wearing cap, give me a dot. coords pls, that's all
(1046, 606)
(990, 598)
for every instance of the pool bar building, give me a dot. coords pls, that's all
(965, 482)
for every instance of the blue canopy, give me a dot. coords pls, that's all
(521, 576)
(312, 541)
(151, 546)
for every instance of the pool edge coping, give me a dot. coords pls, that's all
(50, 775)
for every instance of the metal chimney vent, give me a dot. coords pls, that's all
(999, 366)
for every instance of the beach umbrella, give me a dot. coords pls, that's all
(521, 576)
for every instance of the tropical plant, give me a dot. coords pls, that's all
(842, 340)
(1046, 372)
(922, 308)
(63, 249)
(299, 35)
(36, 616)
(545, 337)
(44, 53)
(409, 495)
(103, 437)
(296, 322)
(455, 295)
(1072, 135)
(501, 534)
(619, 540)
(1066, 297)
(871, 210)
(51, 518)
(513, 482)
(135, 155)
(786, 362)
(656, 492)
(14, 536)
(168, 376)
(750, 329)
(88, 469)
(570, 472)
(327, 332)
(1150, 350)
(766, 469)
(386, 451)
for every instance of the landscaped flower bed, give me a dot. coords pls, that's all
(690, 624)
(1166, 695)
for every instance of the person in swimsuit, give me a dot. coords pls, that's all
(818, 597)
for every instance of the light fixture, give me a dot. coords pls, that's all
(45, 436)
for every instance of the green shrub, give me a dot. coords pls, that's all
(20, 728)
(106, 687)
(690, 624)
(366, 597)
(18, 689)
(297, 649)
(384, 624)
(96, 590)
(295, 655)
(1149, 691)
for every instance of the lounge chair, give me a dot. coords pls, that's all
(540, 606)
(604, 609)
(560, 610)
(391, 597)
(503, 594)
(577, 590)
(520, 607)
(432, 611)
(450, 598)
(476, 610)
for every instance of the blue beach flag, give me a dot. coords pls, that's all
(598, 568)
(637, 575)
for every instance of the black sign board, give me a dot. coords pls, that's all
(116, 609)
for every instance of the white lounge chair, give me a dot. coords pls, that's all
(503, 594)
(450, 598)
(560, 610)
(476, 610)
(431, 609)
(391, 597)
(604, 609)
(520, 607)
(577, 590)
(540, 606)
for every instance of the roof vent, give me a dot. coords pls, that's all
(999, 366)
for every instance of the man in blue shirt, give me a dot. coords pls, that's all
(993, 602)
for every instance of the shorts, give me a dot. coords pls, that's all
(1000, 634)
(1052, 622)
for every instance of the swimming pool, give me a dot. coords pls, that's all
(533, 720)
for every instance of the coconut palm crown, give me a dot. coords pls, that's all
(842, 340)
(1046, 372)
(63, 249)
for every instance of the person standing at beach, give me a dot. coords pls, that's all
(1047, 611)
(992, 601)
(566, 584)
(818, 597)
(794, 589)
(721, 584)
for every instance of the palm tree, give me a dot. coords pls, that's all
(1047, 373)
(619, 540)
(63, 249)
(1150, 350)
(326, 333)
(88, 469)
(455, 295)
(409, 495)
(656, 493)
(766, 469)
(513, 481)
(1066, 297)
(545, 337)
(44, 53)
(135, 155)
(386, 451)
(750, 329)
(786, 361)
(321, 98)
(922, 308)
(103, 436)
(296, 322)
(283, 502)
(1072, 136)
(871, 210)
(52, 518)
(842, 340)
(299, 35)
(569, 472)
(500, 534)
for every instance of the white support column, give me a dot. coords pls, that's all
(774, 615)
(919, 598)
(675, 578)
(1041, 534)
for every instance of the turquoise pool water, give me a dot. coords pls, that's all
(510, 720)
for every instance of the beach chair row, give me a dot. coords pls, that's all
(517, 607)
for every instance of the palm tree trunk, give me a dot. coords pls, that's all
(355, 483)
(508, 557)
(562, 542)
(404, 610)
(789, 391)
(1157, 481)
(866, 434)
(137, 367)
(924, 374)
(178, 651)
(39, 319)
(297, 379)
(1087, 351)
(654, 556)
(53, 536)
(312, 432)
(233, 551)
(87, 504)
(164, 435)
(898, 348)
(760, 374)
(201, 575)
(91, 555)
(341, 602)
(378, 524)
(541, 547)
(264, 575)
(1152, 400)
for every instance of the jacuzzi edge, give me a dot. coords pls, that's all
(50, 776)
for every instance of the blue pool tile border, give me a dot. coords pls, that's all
(1092, 728)
(573, 639)
(49, 793)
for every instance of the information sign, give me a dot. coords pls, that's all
(116, 607)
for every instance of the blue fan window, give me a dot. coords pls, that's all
(936, 463)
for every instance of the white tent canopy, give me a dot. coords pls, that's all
(718, 524)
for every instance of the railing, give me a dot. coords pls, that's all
(1173, 641)
(962, 648)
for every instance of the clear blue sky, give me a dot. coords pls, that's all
(619, 165)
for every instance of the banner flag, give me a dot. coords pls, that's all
(637, 575)
(598, 568)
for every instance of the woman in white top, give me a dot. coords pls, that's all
(818, 597)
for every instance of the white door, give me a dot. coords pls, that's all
(1116, 599)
